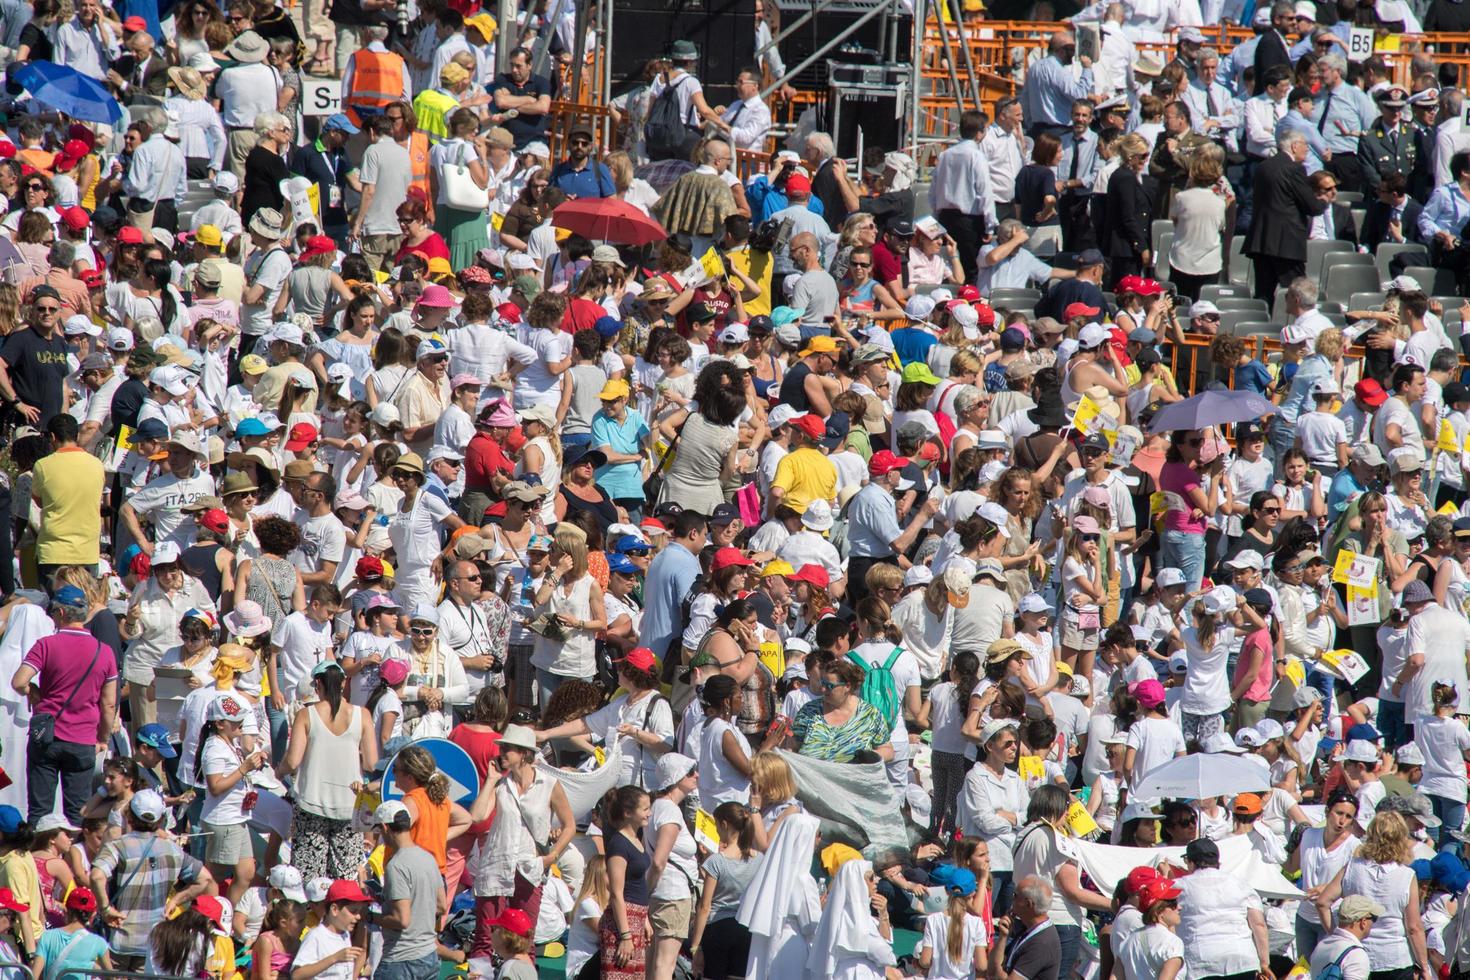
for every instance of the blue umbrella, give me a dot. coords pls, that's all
(68, 90)
(1211, 408)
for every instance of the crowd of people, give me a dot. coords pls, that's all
(402, 578)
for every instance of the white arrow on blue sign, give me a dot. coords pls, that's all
(454, 762)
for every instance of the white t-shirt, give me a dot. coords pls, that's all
(1155, 741)
(535, 385)
(322, 539)
(1320, 434)
(360, 645)
(269, 269)
(1246, 478)
(252, 906)
(415, 534)
(1443, 742)
(1206, 686)
(320, 943)
(583, 941)
(220, 758)
(719, 781)
(683, 865)
(936, 938)
(303, 643)
(1147, 950)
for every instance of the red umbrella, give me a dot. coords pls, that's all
(608, 219)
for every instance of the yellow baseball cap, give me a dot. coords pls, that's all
(209, 236)
(777, 567)
(615, 388)
(820, 344)
(439, 266)
(253, 364)
(484, 23)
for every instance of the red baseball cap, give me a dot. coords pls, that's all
(369, 566)
(1370, 393)
(141, 565)
(1079, 309)
(75, 218)
(799, 183)
(215, 520)
(812, 575)
(92, 279)
(984, 312)
(1139, 878)
(318, 245)
(811, 425)
(969, 294)
(641, 658)
(513, 921)
(303, 434)
(929, 451)
(130, 236)
(81, 900)
(135, 23)
(9, 902)
(7, 150)
(1158, 890)
(884, 462)
(726, 557)
(347, 891)
(508, 311)
(207, 905)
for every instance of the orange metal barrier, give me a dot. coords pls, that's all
(565, 115)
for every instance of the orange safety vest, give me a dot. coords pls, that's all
(418, 161)
(377, 80)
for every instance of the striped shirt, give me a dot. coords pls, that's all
(145, 887)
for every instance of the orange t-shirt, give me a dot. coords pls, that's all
(431, 829)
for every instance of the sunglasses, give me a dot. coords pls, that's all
(1270, 510)
(860, 265)
(48, 309)
(423, 630)
(828, 685)
(470, 578)
(580, 141)
(1089, 538)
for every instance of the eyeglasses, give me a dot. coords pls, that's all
(237, 19)
(860, 265)
(470, 578)
(48, 309)
(1088, 538)
(423, 630)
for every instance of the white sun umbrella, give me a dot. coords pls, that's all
(1202, 775)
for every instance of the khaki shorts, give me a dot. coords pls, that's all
(228, 843)
(671, 918)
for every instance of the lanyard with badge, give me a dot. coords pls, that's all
(334, 192)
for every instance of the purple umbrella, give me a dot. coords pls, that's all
(1211, 408)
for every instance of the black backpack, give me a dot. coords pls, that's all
(664, 132)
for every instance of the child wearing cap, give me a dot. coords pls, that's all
(1320, 434)
(71, 943)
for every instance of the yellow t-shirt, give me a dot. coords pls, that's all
(18, 873)
(805, 475)
(68, 486)
(759, 266)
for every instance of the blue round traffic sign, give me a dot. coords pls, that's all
(453, 761)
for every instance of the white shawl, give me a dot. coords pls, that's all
(783, 885)
(847, 928)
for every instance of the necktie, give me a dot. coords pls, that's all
(739, 108)
(1076, 158)
(1210, 103)
(1326, 106)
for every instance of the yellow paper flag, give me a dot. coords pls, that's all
(712, 264)
(1296, 672)
(774, 658)
(1447, 442)
(1343, 567)
(705, 831)
(1301, 971)
(1449, 510)
(1030, 767)
(1079, 821)
(496, 220)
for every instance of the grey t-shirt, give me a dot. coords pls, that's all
(587, 383)
(413, 874)
(815, 292)
(386, 166)
(732, 878)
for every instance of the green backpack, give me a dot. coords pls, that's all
(879, 689)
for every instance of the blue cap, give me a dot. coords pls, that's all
(150, 429)
(783, 315)
(607, 326)
(70, 596)
(10, 819)
(251, 427)
(1012, 339)
(962, 883)
(339, 121)
(621, 564)
(1326, 747)
(125, 560)
(630, 545)
(1364, 731)
(1422, 869)
(156, 736)
(838, 426)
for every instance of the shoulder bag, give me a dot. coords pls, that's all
(460, 189)
(43, 723)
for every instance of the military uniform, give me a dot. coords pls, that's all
(1384, 150)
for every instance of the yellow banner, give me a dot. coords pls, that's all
(712, 264)
(774, 657)
(705, 831)
(1447, 442)
(1449, 510)
(1079, 821)
(1031, 767)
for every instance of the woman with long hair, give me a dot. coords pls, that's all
(179, 947)
(956, 940)
(724, 752)
(772, 794)
(540, 382)
(1191, 488)
(1084, 591)
(437, 820)
(943, 714)
(625, 930)
(862, 295)
(530, 209)
(1444, 742)
(1380, 871)
(37, 38)
(393, 363)
(707, 444)
(640, 721)
(331, 746)
(190, 21)
(1206, 644)
(1319, 855)
(583, 962)
(879, 647)
(570, 602)
(721, 943)
(49, 846)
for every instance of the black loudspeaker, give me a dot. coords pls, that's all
(818, 31)
(866, 99)
(722, 30)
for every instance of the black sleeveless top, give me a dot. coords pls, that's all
(793, 387)
(605, 511)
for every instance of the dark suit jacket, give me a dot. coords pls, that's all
(1375, 222)
(1342, 224)
(1126, 210)
(1270, 50)
(154, 75)
(1284, 207)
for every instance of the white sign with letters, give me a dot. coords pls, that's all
(321, 96)
(1360, 44)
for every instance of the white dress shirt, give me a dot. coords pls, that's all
(749, 122)
(1450, 138)
(1113, 72)
(88, 50)
(1261, 116)
(1006, 155)
(962, 181)
(244, 92)
(201, 133)
(1226, 112)
(157, 172)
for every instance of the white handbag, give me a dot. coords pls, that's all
(460, 189)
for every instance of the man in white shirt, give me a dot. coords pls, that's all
(323, 538)
(163, 499)
(465, 627)
(1113, 73)
(1450, 136)
(1438, 642)
(747, 120)
(1006, 148)
(1343, 946)
(1213, 109)
(245, 90)
(962, 195)
(298, 643)
(1263, 112)
(86, 42)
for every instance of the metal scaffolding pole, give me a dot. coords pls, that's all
(824, 49)
(920, 18)
(959, 18)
